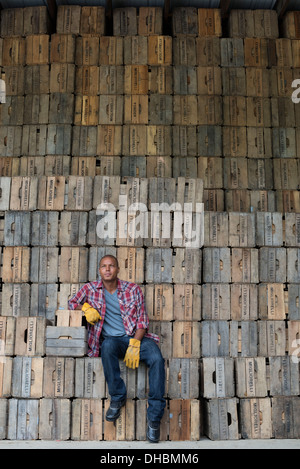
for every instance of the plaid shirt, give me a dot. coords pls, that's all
(131, 301)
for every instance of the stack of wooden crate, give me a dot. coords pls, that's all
(140, 119)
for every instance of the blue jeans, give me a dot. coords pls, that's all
(114, 348)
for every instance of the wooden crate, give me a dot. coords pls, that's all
(89, 379)
(208, 51)
(215, 301)
(213, 200)
(184, 141)
(259, 112)
(186, 339)
(14, 77)
(234, 111)
(184, 51)
(185, 111)
(209, 22)
(16, 299)
(272, 340)
(84, 141)
(61, 110)
(271, 301)
(44, 228)
(232, 52)
(7, 335)
(66, 341)
(92, 20)
(185, 420)
(234, 141)
(159, 50)
(217, 377)
(73, 267)
(111, 50)
(6, 366)
(136, 50)
(13, 51)
(80, 193)
(269, 229)
(11, 140)
(3, 418)
(9, 111)
(292, 265)
(131, 262)
(158, 140)
(255, 418)
(159, 166)
(136, 79)
(221, 419)
(30, 336)
(23, 419)
(241, 230)
(187, 302)
(59, 377)
(291, 25)
(159, 302)
(36, 109)
(160, 79)
(16, 264)
(244, 337)
(293, 304)
(235, 173)
(86, 419)
(73, 228)
(217, 265)
(183, 378)
(62, 78)
(59, 137)
(160, 110)
(37, 49)
(68, 19)
(111, 79)
(287, 201)
(36, 80)
(285, 55)
(134, 166)
(125, 21)
(111, 109)
(284, 376)
(292, 227)
(272, 265)
(51, 193)
(62, 48)
(244, 302)
(184, 21)
(55, 419)
(286, 174)
(124, 429)
(259, 146)
(44, 300)
(209, 80)
(87, 49)
(215, 339)
(27, 377)
(285, 142)
(24, 193)
(17, 228)
(12, 22)
(209, 139)
(164, 331)
(150, 21)
(136, 109)
(36, 20)
(233, 81)
(251, 377)
(284, 412)
(44, 265)
(210, 110)
(210, 170)
(187, 264)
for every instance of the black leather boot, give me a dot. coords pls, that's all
(114, 410)
(153, 431)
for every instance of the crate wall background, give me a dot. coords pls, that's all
(193, 115)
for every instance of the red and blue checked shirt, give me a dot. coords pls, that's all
(131, 301)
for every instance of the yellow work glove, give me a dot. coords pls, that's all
(91, 314)
(132, 356)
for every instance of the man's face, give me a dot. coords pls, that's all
(108, 269)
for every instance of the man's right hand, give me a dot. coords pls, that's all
(91, 314)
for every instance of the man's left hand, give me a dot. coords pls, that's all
(132, 356)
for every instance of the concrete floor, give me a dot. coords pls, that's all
(204, 443)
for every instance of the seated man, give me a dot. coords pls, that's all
(118, 325)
